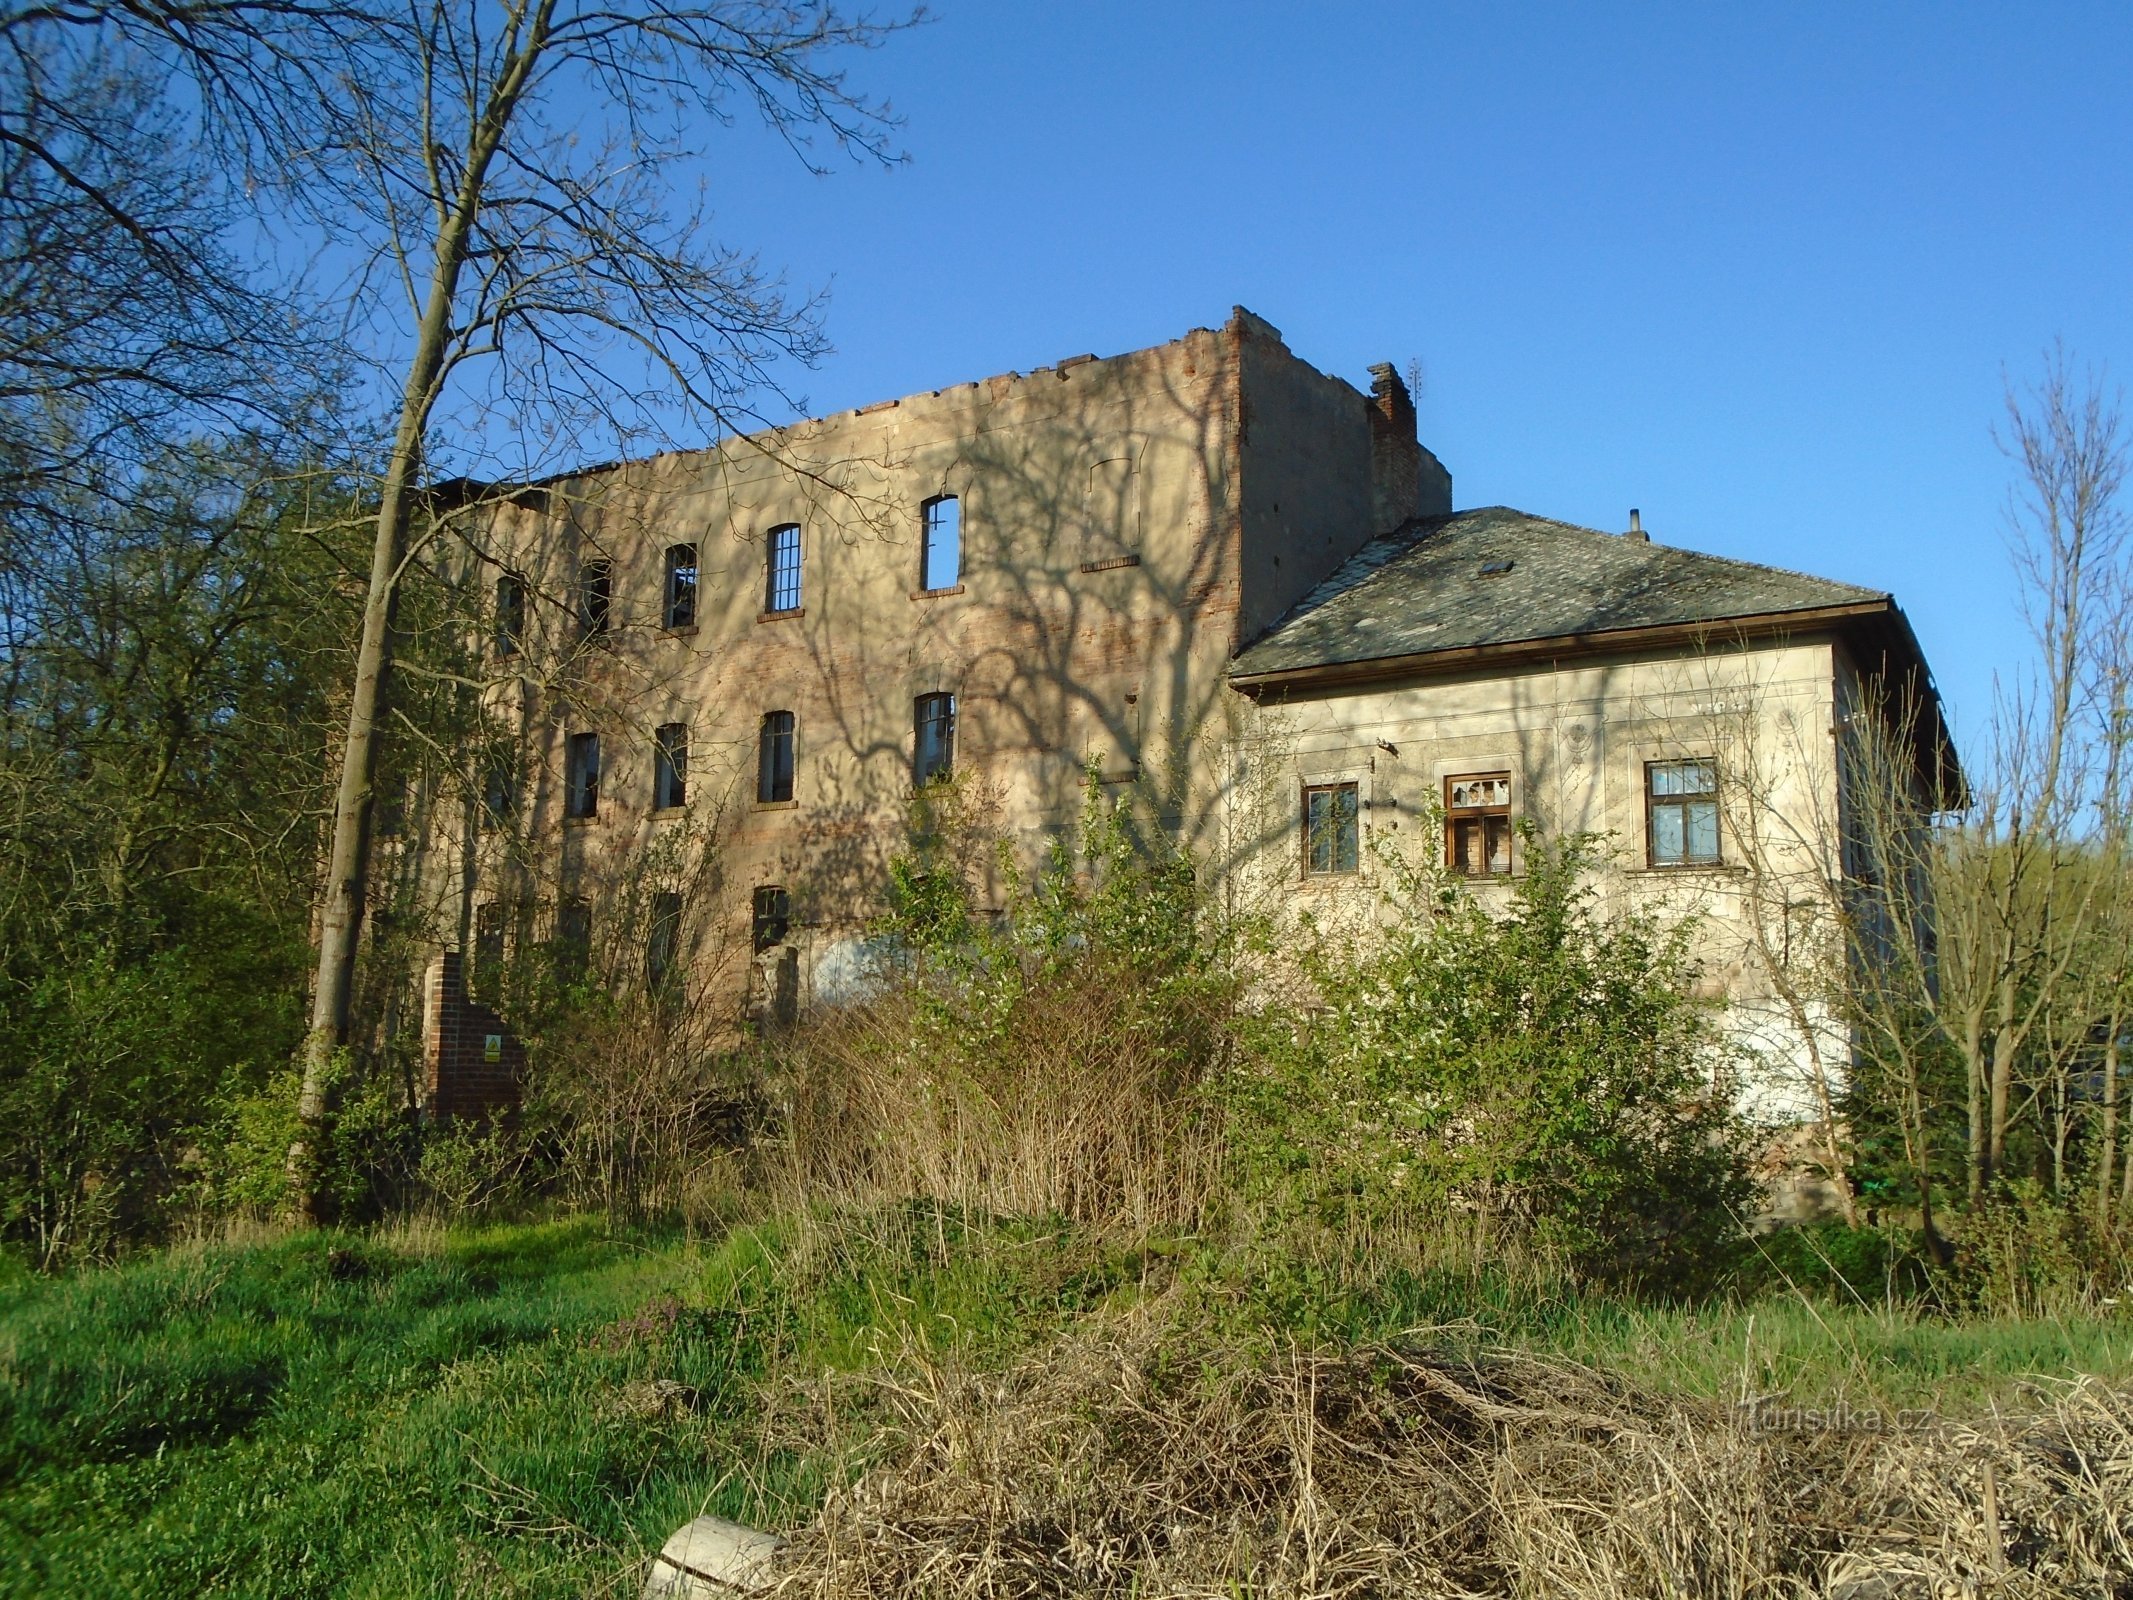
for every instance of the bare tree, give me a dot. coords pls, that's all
(515, 178)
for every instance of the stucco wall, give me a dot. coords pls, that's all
(1575, 738)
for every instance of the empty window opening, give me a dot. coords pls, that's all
(933, 744)
(581, 788)
(670, 767)
(783, 592)
(1111, 514)
(596, 597)
(573, 941)
(774, 758)
(680, 606)
(1477, 824)
(1681, 812)
(487, 977)
(662, 941)
(942, 567)
(773, 918)
(510, 614)
(499, 792)
(1332, 835)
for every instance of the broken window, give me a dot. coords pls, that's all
(773, 767)
(573, 940)
(933, 746)
(486, 980)
(773, 918)
(680, 606)
(596, 593)
(670, 766)
(1681, 812)
(581, 788)
(1477, 824)
(783, 591)
(942, 565)
(1332, 834)
(499, 791)
(662, 942)
(510, 614)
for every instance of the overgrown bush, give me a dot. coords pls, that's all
(1544, 1068)
(1052, 1060)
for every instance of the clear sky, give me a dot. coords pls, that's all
(1758, 270)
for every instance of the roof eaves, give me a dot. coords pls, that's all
(1342, 674)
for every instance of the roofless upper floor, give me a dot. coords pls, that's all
(1216, 467)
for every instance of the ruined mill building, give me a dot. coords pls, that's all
(1234, 585)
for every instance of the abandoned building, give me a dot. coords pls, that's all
(1233, 584)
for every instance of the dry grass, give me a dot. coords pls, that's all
(1122, 1463)
(1078, 1114)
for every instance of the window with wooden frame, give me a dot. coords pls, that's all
(1681, 813)
(670, 766)
(596, 596)
(662, 943)
(1332, 829)
(774, 758)
(581, 785)
(941, 557)
(933, 737)
(679, 609)
(772, 920)
(510, 614)
(781, 590)
(1477, 824)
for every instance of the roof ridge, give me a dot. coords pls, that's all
(1684, 550)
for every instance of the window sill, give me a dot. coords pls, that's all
(1329, 880)
(581, 822)
(665, 813)
(1690, 869)
(781, 616)
(777, 805)
(686, 631)
(1110, 565)
(935, 594)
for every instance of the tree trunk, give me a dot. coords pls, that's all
(348, 861)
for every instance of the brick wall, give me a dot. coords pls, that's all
(473, 1063)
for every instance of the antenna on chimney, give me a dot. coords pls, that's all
(1636, 528)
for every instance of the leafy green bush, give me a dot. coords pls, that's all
(1544, 1068)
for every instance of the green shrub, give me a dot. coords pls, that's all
(1544, 1069)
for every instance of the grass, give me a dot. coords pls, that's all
(478, 1412)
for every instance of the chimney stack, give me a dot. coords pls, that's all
(1389, 394)
(1636, 528)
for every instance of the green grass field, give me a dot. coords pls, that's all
(442, 1413)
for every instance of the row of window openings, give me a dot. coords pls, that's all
(770, 925)
(940, 568)
(933, 756)
(1680, 812)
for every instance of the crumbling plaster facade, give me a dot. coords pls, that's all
(1127, 526)
(1125, 522)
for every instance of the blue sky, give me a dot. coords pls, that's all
(1759, 271)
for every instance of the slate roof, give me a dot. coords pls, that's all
(1422, 589)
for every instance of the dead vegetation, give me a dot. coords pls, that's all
(1123, 1463)
(1077, 1113)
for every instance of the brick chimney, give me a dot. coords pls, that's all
(1405, 479)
